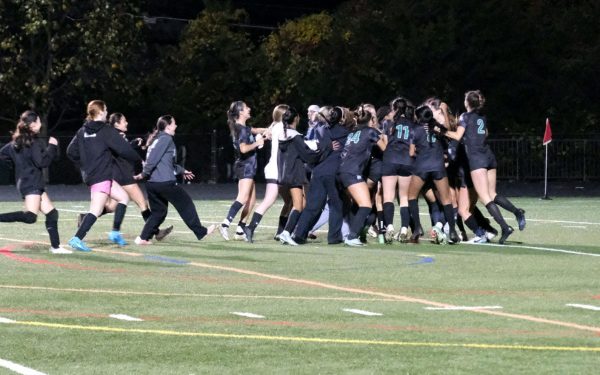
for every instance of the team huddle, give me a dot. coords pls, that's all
(352, 165)
(349, 171)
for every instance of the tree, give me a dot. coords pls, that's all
(57, 54)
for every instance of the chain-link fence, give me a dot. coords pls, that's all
(210, 156)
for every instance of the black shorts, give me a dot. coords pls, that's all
(374, 172)
(244, 170)
(348, 179)
(401, 170)
(485, 160)
(31, 191)
(459, 175)
(434, 175)
(124, 181)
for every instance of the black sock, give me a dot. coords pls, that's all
(506, 204)
(405, 217)
(495, 212)
(459, 221)
(119, 215)
(86, 225)
(256, 218)
(282, 221)
(146, 214)
(292, 220)
(471, 222)
(413, 207)
(233, 210)
(241, 224)
(482, 221)
(380, 222)
(435, 213)
(26, 217)
(449, 214)
(388, 213)
(371, 218)
(52, 228)
(358, 222)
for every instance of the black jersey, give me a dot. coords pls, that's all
(293, 154)
(399, 139)
(243, 134)
(29, 162)
(475, 136)
(123, 169)
(357, 150)
(327, 134)
(430, 151)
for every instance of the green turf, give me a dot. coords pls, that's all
(302, 292)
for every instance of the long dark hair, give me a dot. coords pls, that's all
(475, 100)
(403, 108)
(115, 118)
(362, 117)
(161, 124)
(288, 118)
(233, 113)
(23, 136)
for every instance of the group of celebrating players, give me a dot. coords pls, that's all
(348, 171)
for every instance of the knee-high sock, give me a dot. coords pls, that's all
(471, 222)
(449, 214)
(292, 220)
(233, 210)
(26, 217)
(435, 213)
(388, 213)
(506, 204)
(495, 212)
(380, 222)
(358, 221)
(413, 207)
(256, 218)
(405, 217)
(282, 222)
(482, 221)
(52, 228)
(86, 225)
(119, 215)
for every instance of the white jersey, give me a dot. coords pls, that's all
(271, 171)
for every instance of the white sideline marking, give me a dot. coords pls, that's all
(587, 307)
(458, 308)
(5, 320)
(362, 312)
(575, 226)
(126, 317)
(534, 248)
(248, 315)
(18, 368)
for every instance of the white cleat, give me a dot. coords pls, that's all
(354, 243)
(60, 250)
(224, 232)
(286, 238)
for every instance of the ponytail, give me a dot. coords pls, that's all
(23, 136)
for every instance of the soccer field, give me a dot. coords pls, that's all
(186, 307)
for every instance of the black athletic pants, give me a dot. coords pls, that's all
(160, 194)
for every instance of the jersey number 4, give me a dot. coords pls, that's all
(353, 137)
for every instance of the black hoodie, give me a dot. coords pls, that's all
(29, 162)
(93, 148)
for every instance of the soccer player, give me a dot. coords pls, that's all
(92, 148)
(30, 155)
(482, 162)
(161, 171)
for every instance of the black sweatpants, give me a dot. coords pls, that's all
(160, 194)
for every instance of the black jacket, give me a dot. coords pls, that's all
(123, 169)
(93, 148)
(293, 153)
(29, 162)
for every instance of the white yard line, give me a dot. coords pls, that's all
(6, 320)
(463, 308)
(362, 312)
(18, 368)
(534, 248)
(248, 315)
(125, 317)
(586, 307)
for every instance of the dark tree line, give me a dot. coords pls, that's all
(532, 59)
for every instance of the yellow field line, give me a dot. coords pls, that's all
(126, 292)
(318, 340)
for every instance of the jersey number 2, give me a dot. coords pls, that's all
(480, 126)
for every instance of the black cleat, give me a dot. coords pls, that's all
(505, 234)
(162, 233)
(520, 215)
(249, 234)
(453, 237)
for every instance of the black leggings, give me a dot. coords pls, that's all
(160, 194)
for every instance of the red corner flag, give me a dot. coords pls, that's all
(547, 133)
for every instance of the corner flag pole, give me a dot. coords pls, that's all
(545, 142)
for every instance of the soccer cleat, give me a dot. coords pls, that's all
(162, 233)
(286, 238)
(223, 230)
(389, 233)
(505, 234)
(437, 235)
(240, 235)
(249, 234)
(353, 243)
(312, 236)
(520, 215)
(478, 239)
(414, 238)
(362, 236)
(139, 241)
(453, 237)
(463, 236)
(116, 237)
(78, 244)
(372, 232)
(60, 250)
(276, 237)
(403, 235)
